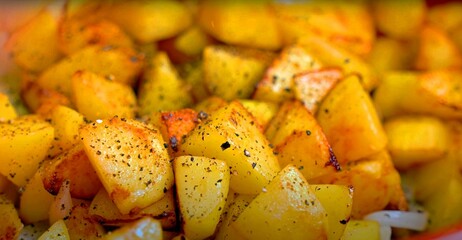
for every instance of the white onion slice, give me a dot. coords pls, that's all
(385, 232)
(400, 219)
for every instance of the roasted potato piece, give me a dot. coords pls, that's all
(455, 141)
(25, 142)
(193, 75)
(39, 99)
(202, 187)
(399, 19)
(117, 64)
(57, 231)
(232, 212)
(375, 181)
(175, 125)
(210, 104)
(106, 212)
(337, 201)
(231, 134)
(224, 20)
(445, 16)
(80, 225)
(96, 97)
(355, 131)
(162, 88)
(361, 230)
(294, 126)
(192, 41)
(66, 123)
(7, 111)
(347, 25)
(34, 46)
(232, 72)
(311, 87)
(433, 93)
(72, 165)
(332, 56)
(389, 54)
(414, 140)
(261, 110)
(130, 160)
(278, 82)
(11, 223)
(437, 51)
(150, 21)
(75, 34)
(144, 228)
(35, 195)
(287, 208)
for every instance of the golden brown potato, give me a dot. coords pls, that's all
(389, 54)
(35, 195)
(286, 209)
(235, 206)
(39, 99)
(210, 104)
(25, 142)
(202, 186)
(399, 19)
(144, 228)
(232, 72)
(117, 64)
(278, 82)
(224, 20)
(361, 230)
(150, 21)
(11, 223)
(414, 140)
(350, 122)
(106, 212)
(175, 125)
(345, 24)
(437, 51)
(80, 225)
(96, 97)
(34, 46)
(446, 16)
(230, 134)
(294, 126)
(375, 181)
(72, 165)
(7, 111)
(311, 87)
(262, 111)
(131, 161)
(162, 89)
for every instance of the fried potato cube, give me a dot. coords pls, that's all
(144, 228)
(130, 160)
(311, 87)
(286, 209)
(106, 212)
(414, 140)
(361, 230)
(11, 223)
(72, 165)
(150, 21)
(399, 19)
(350, 122)
(57, 231)
(389, 54)
(235, 206)
(375, 181)
(224, 20)
(337, 200)
(232, 135)
(232, 72)
(175, 125)
(35, 195)
(210, 104)
(34, 46)
(437, 51)
(162, 89)
(117, 64)
(262, 111)
(25, 142)
(277, 84)
(80, 225)
(294, 126)
(445, 16)
(96, 97)
(202, 186)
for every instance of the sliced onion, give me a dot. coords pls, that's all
(385, 232)
(400, 219)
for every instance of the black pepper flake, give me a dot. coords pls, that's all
(98, 152)
(344, 221)
(246, 153)
(254, 165)
(174, 143)
(165, 145)
(165, 189)
(202, 115)
(225, 145)
(333, 160)
(308, 132)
